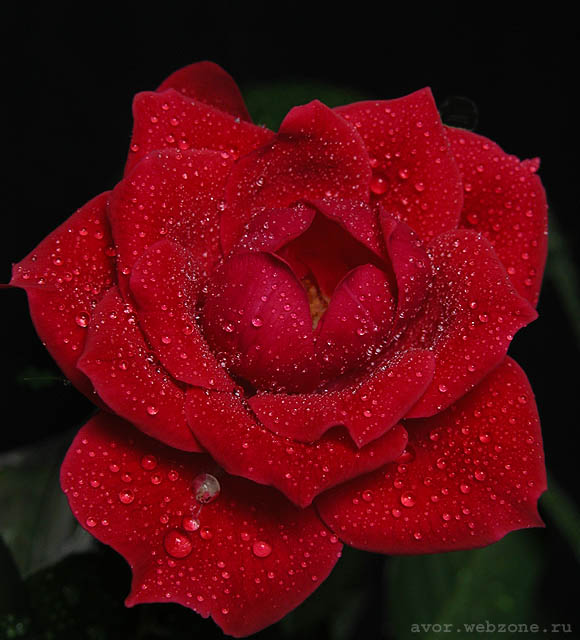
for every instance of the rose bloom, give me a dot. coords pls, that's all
(297, 340)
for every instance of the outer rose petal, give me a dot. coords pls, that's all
(164, 286)
(414, 173)
(210, 84)
(468, 320)
(64, 278)
(315, 154)
(170, 120)
(473, 474)
(127, 377)
(367, 409)
(171, 195)
(246, 566)
(505, 200)
(301, 471)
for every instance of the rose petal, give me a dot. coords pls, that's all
(301, 471)
(468, 320)
(367, 409)
(171, 195)
(411, 266)
(357, 218)
(357, 322)
(469, 476)
(315, 154)
(128, 378)
(414, 174)
(64, 277)
(170, 120)
(505, 200)
(271, 229)
(256, 317)
(254, 558)
(164, 286)
(207, 82)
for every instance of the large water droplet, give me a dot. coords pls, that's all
(408, 499)
(126, 496)
(148, 462)
(261, 549)
(177, 544)
(82, 319)
(206, 488)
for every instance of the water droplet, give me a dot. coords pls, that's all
(83, 319)
(190, 523)
(257, 322)
(152, 411)
(148, 462)
(91, 522)
(261, 549)
(367, 495)
(206, 533)
(206, 488)
(126, 496)
(480, 475)
(464, 488)
(408, 499)
(378, 184)
(177, 544)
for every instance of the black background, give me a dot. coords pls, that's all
(68, 80)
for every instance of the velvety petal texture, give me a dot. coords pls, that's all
(315, 154)
(207, 82)
(256, 317)
(65, 277)
(468, 476)
(127, 376)
(468, 320)
(165, 285)
(171, 195)
(505, 200)
(245, 558)
(414, 175)
(299, 470)
(171, 120)
(367, 409)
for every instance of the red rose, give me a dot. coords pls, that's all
(297, 340)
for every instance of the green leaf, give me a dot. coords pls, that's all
(269, 103)
(562, 272)
(495, 584)
(11, 587)
(36, 522)
(563, 514)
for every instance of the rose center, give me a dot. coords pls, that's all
(317, 301)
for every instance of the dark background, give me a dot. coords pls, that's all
(68, 81)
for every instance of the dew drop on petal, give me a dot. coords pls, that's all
(82, 319)
(190, 523)
(126, 496)
(408, 499)
(177, 544)
(148, 462)
(206, 488)
(261, 549)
